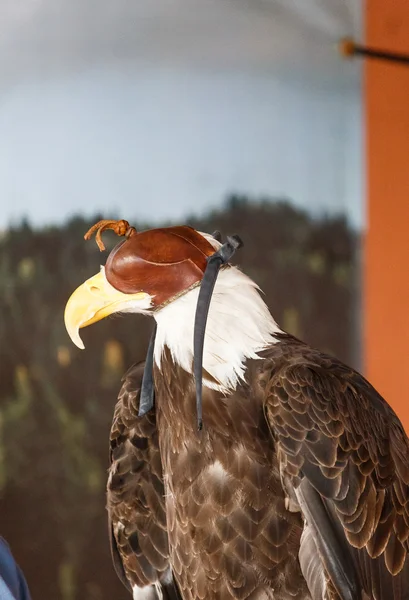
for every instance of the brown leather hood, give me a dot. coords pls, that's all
(162, 262)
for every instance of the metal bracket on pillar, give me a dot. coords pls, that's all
(349, 49)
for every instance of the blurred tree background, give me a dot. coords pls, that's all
(56, 402)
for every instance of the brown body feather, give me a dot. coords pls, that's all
(136, 506)
(220, 509)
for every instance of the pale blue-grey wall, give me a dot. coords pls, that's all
(154, 115)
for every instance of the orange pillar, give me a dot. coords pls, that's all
(386, 264)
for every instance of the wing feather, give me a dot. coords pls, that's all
(135, 495)
(334, 430)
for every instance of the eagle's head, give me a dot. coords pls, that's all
(171, 274)
(143, 273)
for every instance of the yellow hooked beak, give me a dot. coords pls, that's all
(96, 299)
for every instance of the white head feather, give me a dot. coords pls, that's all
(239, 325)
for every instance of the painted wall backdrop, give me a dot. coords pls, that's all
(230, 115)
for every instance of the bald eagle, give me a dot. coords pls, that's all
(292, 484)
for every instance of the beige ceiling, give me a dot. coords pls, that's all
(53, 37)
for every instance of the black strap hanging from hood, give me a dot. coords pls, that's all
(214, 262)
(147, 397)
